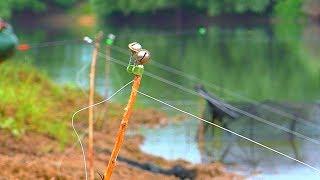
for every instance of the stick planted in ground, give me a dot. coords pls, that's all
(91, 102)
(139, 57)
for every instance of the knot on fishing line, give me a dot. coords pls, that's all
(138, 58)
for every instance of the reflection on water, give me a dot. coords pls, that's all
(178, 141)
(255, 62)
(275, 64)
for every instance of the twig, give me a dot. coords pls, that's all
(91, 102)
(140, 57)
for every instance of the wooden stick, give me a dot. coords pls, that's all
(123, 126)
(91, 102)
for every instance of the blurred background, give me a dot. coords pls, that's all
(261, 56)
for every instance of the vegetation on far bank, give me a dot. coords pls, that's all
(287, 9)
(8, 8)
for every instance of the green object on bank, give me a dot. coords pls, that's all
(8, 42)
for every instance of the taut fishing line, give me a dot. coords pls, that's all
(53, 43)
(232, 132)
(83, 91)
(206, 121)
(71, 41)
(225, 129)
(190, 77)
(224, 90)
(86, 65)
(76, 133)
(228, 106)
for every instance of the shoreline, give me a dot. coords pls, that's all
(40, 155)
(45, 146)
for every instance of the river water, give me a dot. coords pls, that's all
(276, 65)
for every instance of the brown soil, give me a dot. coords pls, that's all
(37, 156)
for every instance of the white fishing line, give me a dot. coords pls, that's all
(86, 65)
(307, 138)
(232, 132)
(75, 131)
(85, 94)
(224, 90)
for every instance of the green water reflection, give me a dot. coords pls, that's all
(264, 63)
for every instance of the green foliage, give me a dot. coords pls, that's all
(104, 8)
(7, 7)
(11, 125)
(29, 102)
(283, 8)
(65, 3)
(107, 7)
(4, 9)
(289, 9)
(82, 9)
(232, 6)
(35, 5)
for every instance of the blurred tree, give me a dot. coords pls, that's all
(4, 9)
(289, 9)
(9, 6)
(282, 8)
(106, 7)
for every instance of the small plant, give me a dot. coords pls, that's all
(30, 102)
(11, 125)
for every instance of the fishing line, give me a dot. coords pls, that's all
(75, 131)
(78, 77)
(28, 46)
(236, 109)
(230, 131)
(63, 42)
(85, 94)
(226, 91)
(55, 43)
(228, 106)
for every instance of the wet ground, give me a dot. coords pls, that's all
(36, 156)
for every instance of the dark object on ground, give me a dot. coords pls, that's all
(177, 171)
(8, 41)
(218, 109)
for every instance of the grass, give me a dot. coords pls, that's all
(82, 8)
(29, 101)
